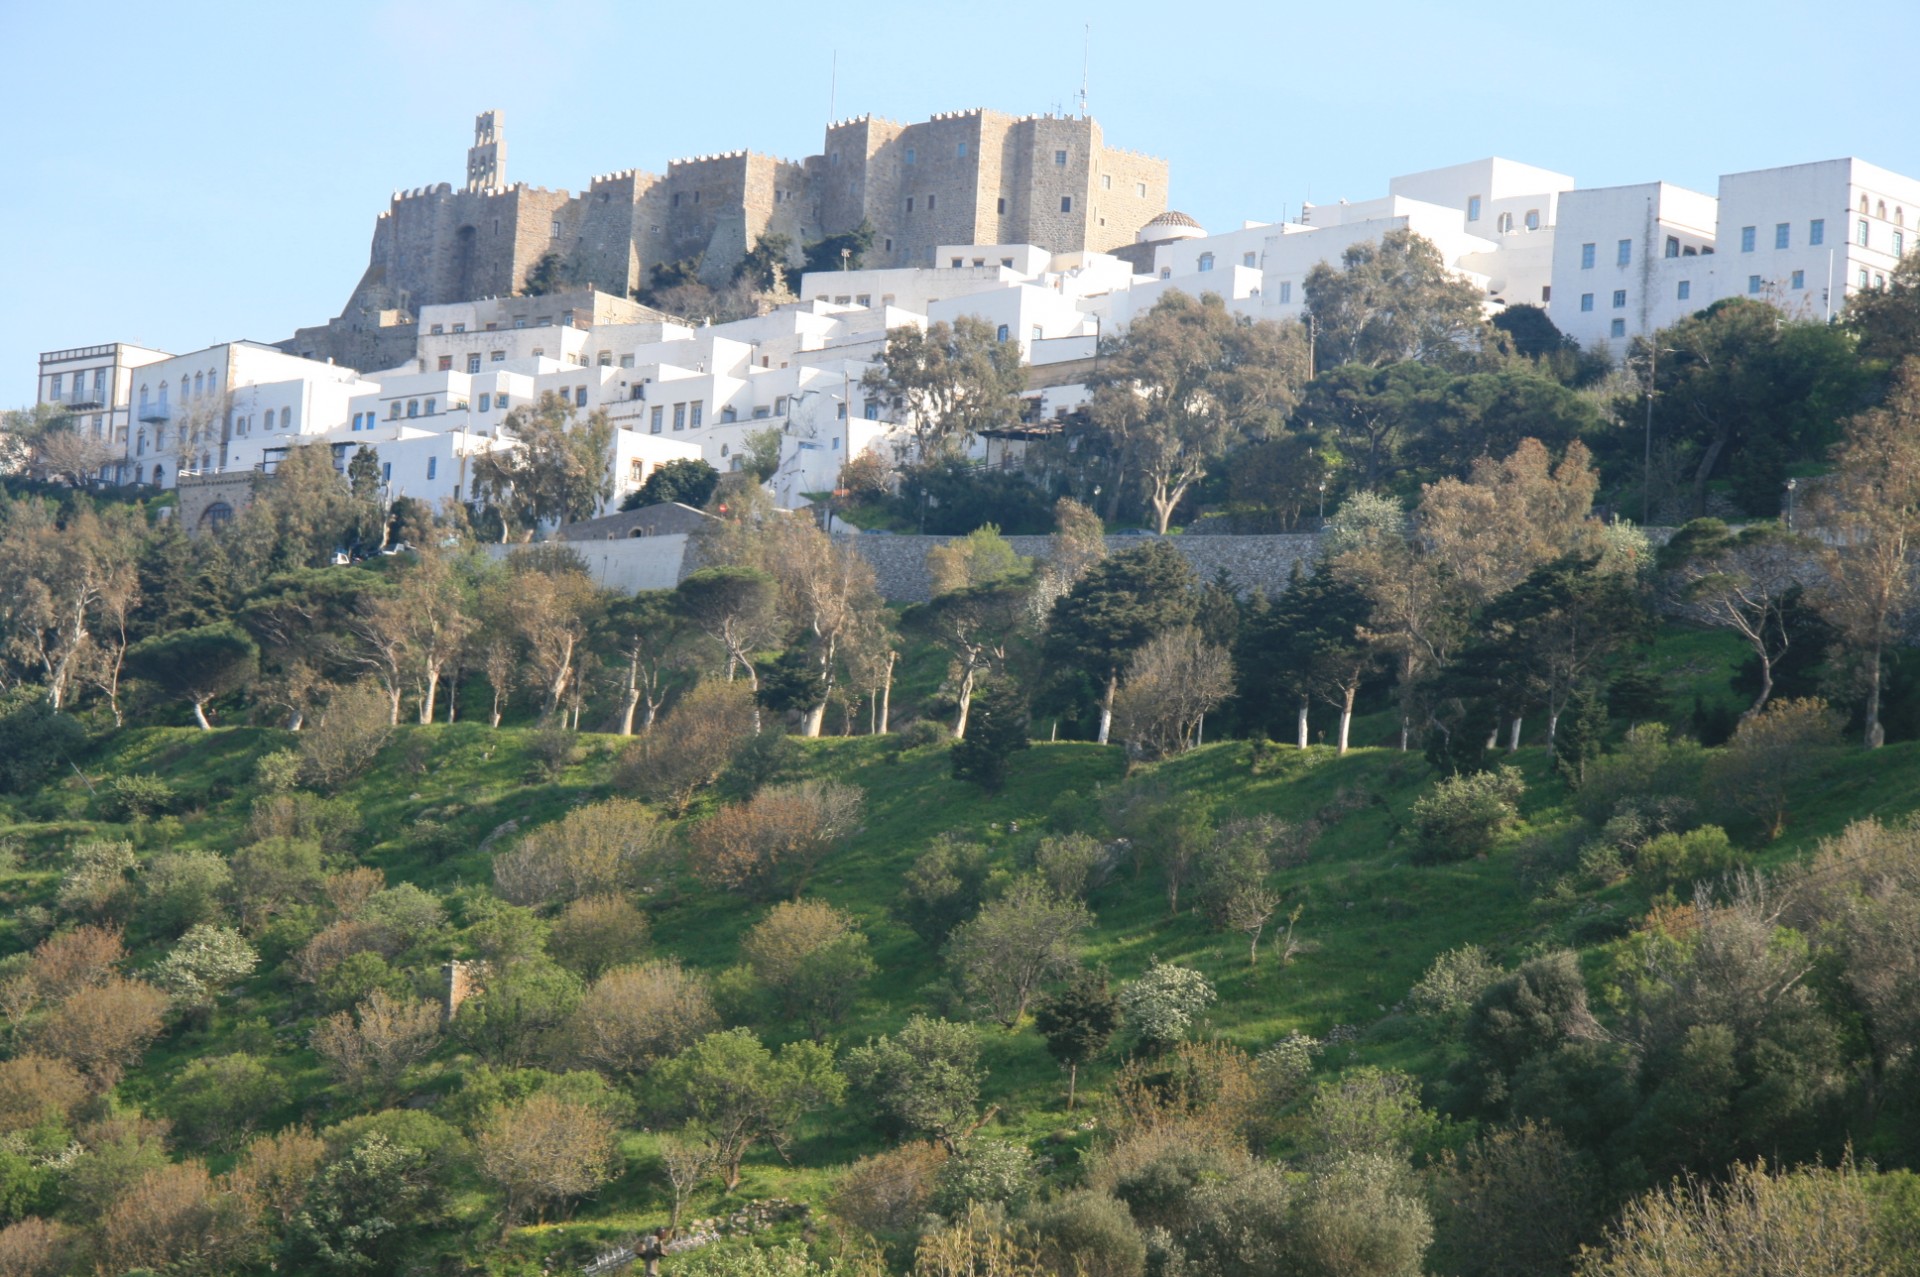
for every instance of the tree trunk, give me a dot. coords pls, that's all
(200, 716)
(626, 714)
(886, 693)
(393, 704)
(1703, 472)
(496, 708)
(1073, 1079)
(1406, 731)
(1876, 735)
(1106, 708)
(966, 703)
(1766, 681)
(1513, 735)
(1303, 722)
(431, 695)
(1346, 716)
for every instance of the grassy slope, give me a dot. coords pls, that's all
(1370, 922)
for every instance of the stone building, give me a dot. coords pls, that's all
(970, 177)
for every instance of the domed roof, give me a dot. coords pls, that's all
(1174, 217)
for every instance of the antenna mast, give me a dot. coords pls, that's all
(1086, 61)
(833, 86)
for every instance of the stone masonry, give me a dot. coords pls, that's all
(969, 177)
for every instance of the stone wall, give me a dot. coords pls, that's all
(1250, 562)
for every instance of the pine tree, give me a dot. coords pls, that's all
(1583, 729)
(996, 731)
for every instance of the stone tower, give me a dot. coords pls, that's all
(487, 157)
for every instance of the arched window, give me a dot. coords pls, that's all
(1899, 216)
(286, 418)
(216, 516)
(430, 406)
(143, 395)
(1863, 203)
(1206, 261)
(1533, 219)
(160, 438)
(199, 385)
(723, 449)
(1880, 210)
(163, 392)
(159, 476)
(140, 450)
(1505, 223)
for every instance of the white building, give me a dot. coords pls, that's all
(94, 384)
(1629, 260)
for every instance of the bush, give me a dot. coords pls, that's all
(1461, 816)
(1787, 740)
(597, 933)
(991, 1172)
(602, 848)
(1162, 1005)
(947, 883)
(185, 888)
(888, 1193)
(1677, 861)
(691, 747)
(774, 841)
(137, 798)
(552, 750)
(1452, 985)
(1090, 1235)
(34, 739)
(219, 1101)
(996, 730)
(921, 733)
(342, 743)
(1647, 768)
(813, 958)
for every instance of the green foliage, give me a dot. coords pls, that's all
(923, 1080)
(35, 739)
(364, 1207)
(198, 665)
(687, 480)
(1462, 816)
(219, 1101)
(991, 1172)
(945, 884)
(844, 251)
(996, 731)
(1163, 1004)
(1676, 861)
(138, 798)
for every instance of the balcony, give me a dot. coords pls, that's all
(160, 410)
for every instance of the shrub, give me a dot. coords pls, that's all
(34, 738)
(921, 733)
(185, 888)
(1461, 816)
(342, 742)
(594, 850)
(996, 730)
(96, 883)
(1677, 861)
(329, 823)
(1769, 750)
(1648, 767)
(137, 798)
(947, 883)
(596, 933)
(1452, 985)
(991, 1172)
(1089, 1234)
(691, 747)
(36, 1089)
(635, 1016)
(812, 957)
(1161, 1005)
(553, 750)
(219, 1101)
(1072, 864)
(775, 840)
(888, 1193)
(924, 1080)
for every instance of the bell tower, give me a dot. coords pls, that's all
(487, 157)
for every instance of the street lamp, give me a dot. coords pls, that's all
(1791, 485)
(1323, 504)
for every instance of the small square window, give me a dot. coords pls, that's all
(1618, 328)
(1685, 290)
(1060, 159)
(1799, 280)
(498, 356)
(445, 364)
(1753, 284)
(1066, 204)
(1619, 299)
(1248, 259)
(1586, 301)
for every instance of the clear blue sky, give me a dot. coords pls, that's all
(182, 174)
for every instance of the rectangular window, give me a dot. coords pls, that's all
(930, 200)
(626, 361)
(1586, 256)
(386, 471)
(1817, 231)
(1753, 284)
(1619, 299)
(1618, 328)
(1140, 189)
(459, 328)
(1002, 332)
(1586, 301)
(580, 397)
(445, 364)
(871, 411)
(1001, 205)
(1861, 234)
(53, 392)
(1286, 292)
(961, 150)
(1066, 206)
(1899, 250)
(1863, 277)
(1106, 181)
(780, 406)
(659, 412)
(1473, 208)
(1248, 259)
(1673, 246)
(1685, 290)
(910, 155)
(606, 359)
(473, 362)
(1060, 159)
(863, 299)
(435, 330)
(498, 357)
(499, 402)
(909, 203)
(431, 404)
(696, 413)
(486, 402)
(679, 416)
(1746, 239)
(433, 467)
(1783, 235)
(413, 407)
(394, 413)
(1623, 255)
(1799, 280)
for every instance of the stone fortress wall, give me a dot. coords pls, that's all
(967, 177)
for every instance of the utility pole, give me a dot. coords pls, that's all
(1646, 469)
